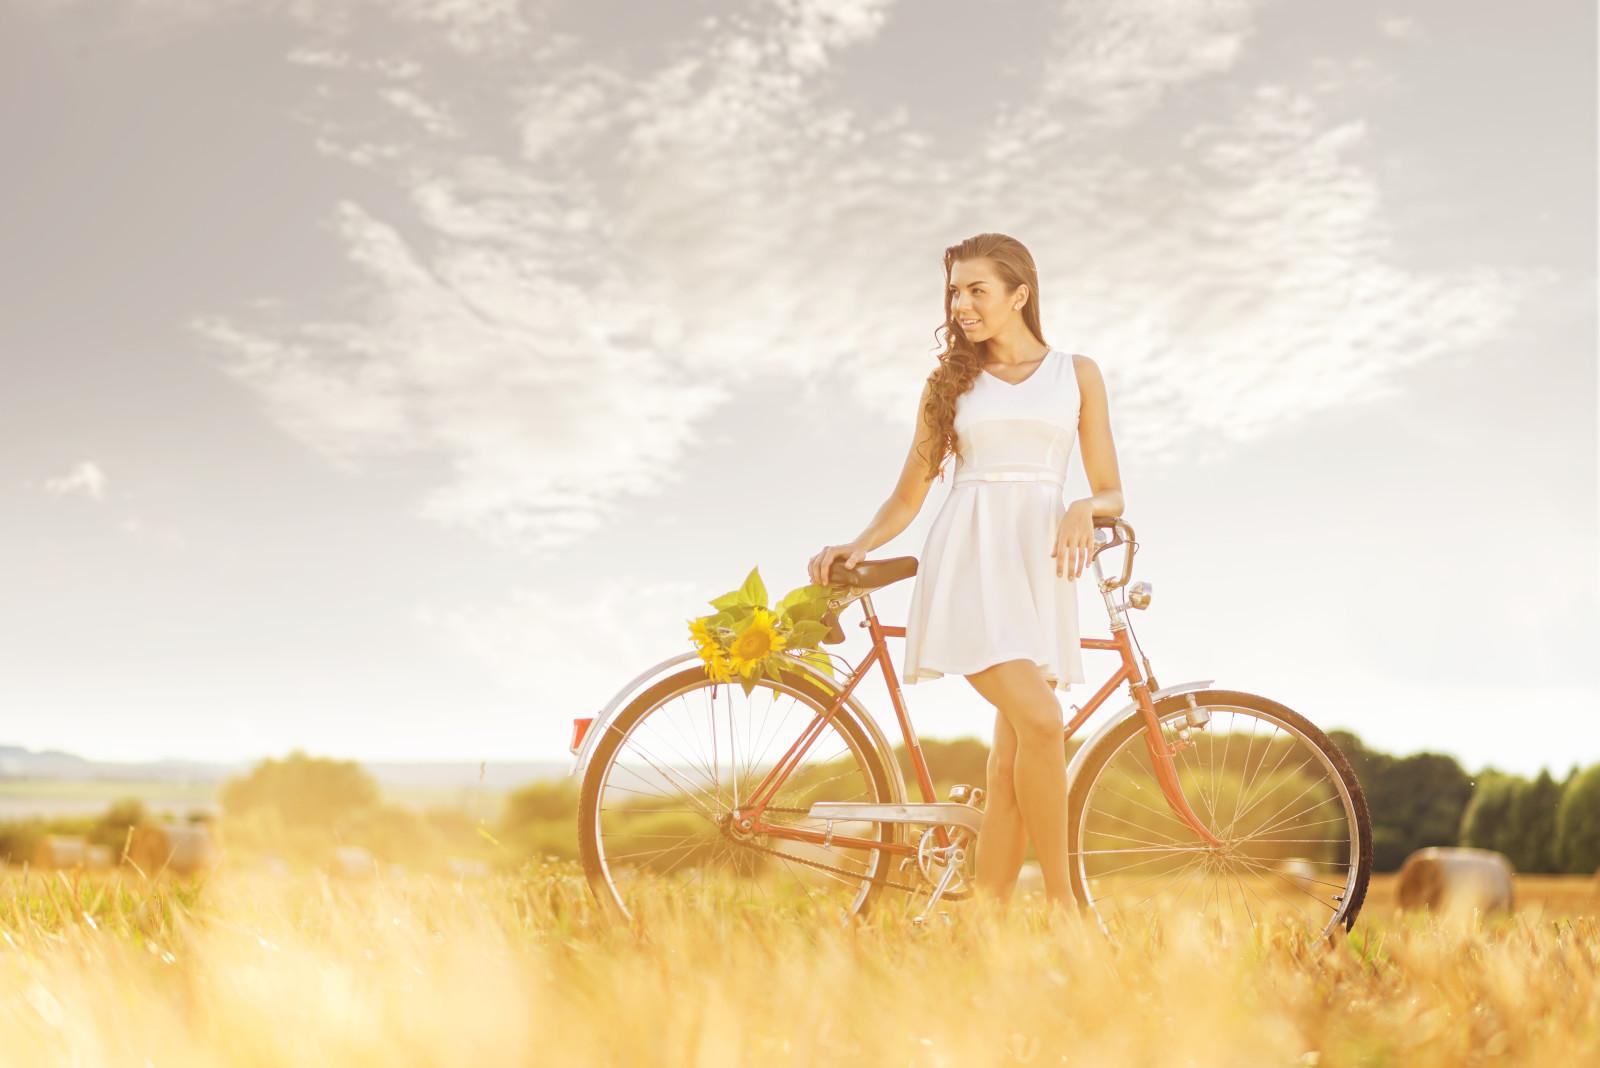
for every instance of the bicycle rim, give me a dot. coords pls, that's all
(662, 791)
(1262, 780)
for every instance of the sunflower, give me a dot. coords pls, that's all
(711, 651)
(752, 644)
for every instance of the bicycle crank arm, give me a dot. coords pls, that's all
(942, 814)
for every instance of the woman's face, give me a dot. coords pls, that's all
(980, 304)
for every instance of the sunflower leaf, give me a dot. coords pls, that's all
(738, 617)
(804, 610)
(728, 600)
(754, 591)
(807, 633)
(802, 594)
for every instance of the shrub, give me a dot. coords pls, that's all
(306, 791)
(112, 828)
(541, 819)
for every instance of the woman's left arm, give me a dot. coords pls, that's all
(1075, 534)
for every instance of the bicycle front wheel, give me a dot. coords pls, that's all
(1296, 837)
(665, 795)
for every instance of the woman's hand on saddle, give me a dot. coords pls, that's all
(821, 565)
(1074, 539)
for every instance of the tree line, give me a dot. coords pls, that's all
(301, 805)
(1543, 825)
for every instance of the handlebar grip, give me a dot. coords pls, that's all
(1121, 533)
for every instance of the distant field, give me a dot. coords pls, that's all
(24, 798)
(1537, 896)
(20, 799)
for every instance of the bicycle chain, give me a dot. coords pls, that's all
(887, 882)
(890, 884)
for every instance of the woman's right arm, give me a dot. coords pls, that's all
(896, 513)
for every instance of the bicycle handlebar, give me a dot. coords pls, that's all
(1121, 533)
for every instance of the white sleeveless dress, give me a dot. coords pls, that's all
(986, 588)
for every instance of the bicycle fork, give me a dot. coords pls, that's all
(1139, 685)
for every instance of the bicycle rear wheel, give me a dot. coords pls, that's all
(1297, 840)
(656, 812)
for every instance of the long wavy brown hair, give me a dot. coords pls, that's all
(962, 360)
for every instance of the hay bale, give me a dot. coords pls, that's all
(179, 848)
(352, 862)
(60, 851)
(97, 857)
(1456, 879)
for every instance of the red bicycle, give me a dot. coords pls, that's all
(1204, 800)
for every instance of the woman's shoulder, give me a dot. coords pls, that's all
(1082, 364)
(1086, 370)
(1090, 381)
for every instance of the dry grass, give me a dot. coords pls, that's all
(250, 970)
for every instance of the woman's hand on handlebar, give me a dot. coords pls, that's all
(1074, 539)
(821, 565)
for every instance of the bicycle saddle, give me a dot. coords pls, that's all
(871, 574)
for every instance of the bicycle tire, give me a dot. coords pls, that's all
(598, 868)
(1126, 742)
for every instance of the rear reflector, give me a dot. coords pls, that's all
(580, 727)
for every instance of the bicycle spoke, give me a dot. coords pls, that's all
(668, 788)
(1279, 794)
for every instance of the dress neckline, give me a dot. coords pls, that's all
(1049, 350)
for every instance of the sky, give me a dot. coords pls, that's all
(394, 378)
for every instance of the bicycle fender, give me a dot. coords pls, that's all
(1124, 713)
(827, 683)
(603, 718)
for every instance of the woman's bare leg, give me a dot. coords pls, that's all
(1004, 841)
(1027, 702)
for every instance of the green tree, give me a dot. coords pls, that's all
(1578, 822)
(1517, 817)
(306, 791)
(1414, 801)
(1487, 822)
(1535, 812)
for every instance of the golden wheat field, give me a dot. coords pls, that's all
(519, 970)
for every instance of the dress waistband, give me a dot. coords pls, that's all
(1010, 476)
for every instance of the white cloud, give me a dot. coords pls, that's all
(86, 480)
(555, 324)
(571, 652)
(434, 119)
(548, 404)
(1118, 57)
(1397, 27)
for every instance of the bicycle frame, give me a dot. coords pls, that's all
(749, 816)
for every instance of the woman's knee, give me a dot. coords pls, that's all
(1038, 724)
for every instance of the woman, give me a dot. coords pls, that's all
(995, 597)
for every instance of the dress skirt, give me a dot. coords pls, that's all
(986, 586)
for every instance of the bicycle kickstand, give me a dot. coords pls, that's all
(957, 857)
